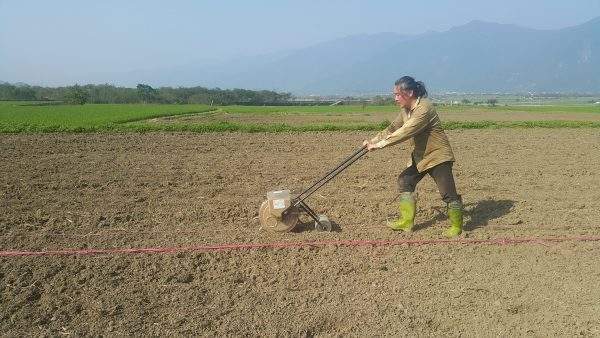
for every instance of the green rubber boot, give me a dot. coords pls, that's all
(407, 207)
(455, 215)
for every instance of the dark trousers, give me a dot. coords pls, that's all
(441, 174)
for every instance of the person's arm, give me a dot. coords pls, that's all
(397, 123)
(419, 120)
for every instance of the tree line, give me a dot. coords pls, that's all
(143, 93)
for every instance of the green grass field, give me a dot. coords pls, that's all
(19, 117)
(565, 109)
(318, 110)
(259, 110)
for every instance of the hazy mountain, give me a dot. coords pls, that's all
(478, 56)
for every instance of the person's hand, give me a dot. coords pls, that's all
(370, 146)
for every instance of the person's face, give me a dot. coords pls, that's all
(403, 98)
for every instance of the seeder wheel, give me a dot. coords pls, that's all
(324, 224)
(287, 223)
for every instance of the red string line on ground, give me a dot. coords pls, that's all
(288, 245)
(177, 232)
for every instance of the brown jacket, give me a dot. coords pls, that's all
(421, 125)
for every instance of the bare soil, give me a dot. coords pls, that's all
(299, 119)
(61, 191)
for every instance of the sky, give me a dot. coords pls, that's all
(58, 42)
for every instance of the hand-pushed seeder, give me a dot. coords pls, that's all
(280, 212)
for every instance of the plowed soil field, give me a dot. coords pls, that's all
(341, 118)
(182, 190)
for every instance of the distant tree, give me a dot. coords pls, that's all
(16, 92)
(146, 93)
(76, 95)
(107, 93)
(24, 93)
(380, 100)
(465, 101)
(7, 92)
(492, 102)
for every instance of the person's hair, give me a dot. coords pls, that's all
(409, 83)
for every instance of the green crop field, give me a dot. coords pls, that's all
(18, 117)
(318, 110)
(566, 109)
(23, 117)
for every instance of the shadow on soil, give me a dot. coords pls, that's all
(480, 213)
(477, 215)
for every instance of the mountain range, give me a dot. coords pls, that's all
(475, 57)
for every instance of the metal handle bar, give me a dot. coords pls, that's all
(331, 174)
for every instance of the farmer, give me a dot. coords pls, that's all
(418, 122)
